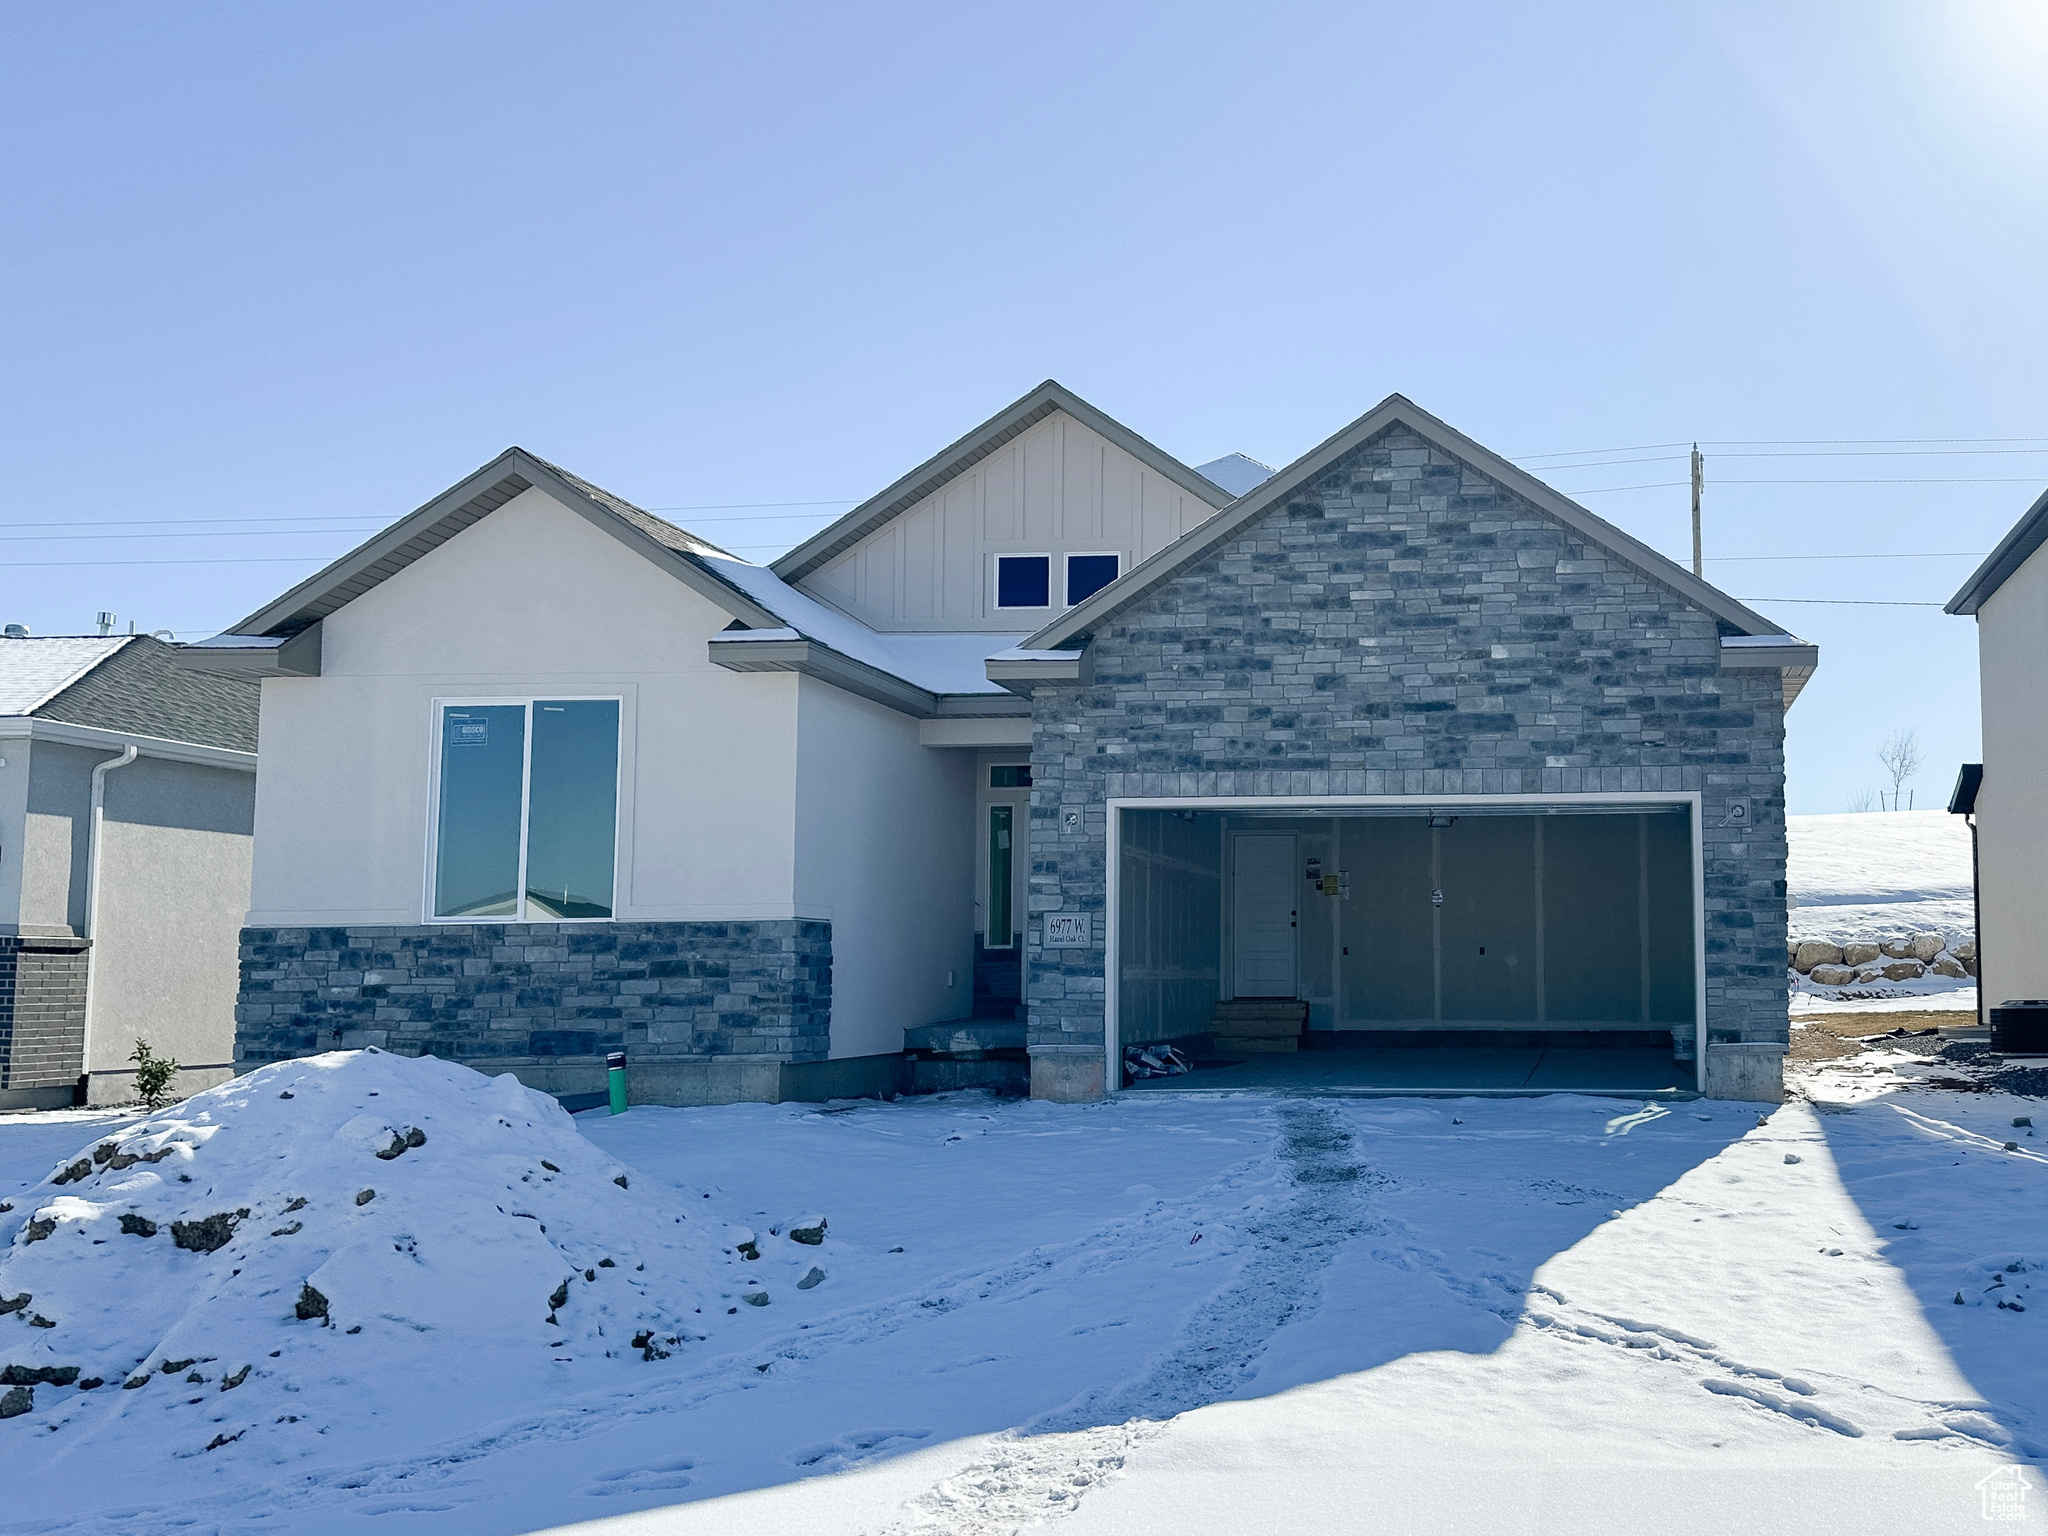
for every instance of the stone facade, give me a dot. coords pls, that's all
(540, 993)
(1402, 625)
(42, 1019)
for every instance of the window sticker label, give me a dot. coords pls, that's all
(468, 733)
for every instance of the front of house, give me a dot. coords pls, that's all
(1054, 726)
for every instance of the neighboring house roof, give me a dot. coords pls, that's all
(1235, 472)
(33, 669)
(2027, 536)
(950, 462)
(1395, 410)
(131, 685)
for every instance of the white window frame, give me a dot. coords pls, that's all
(436, 713)
(1067, 574)
(996, 582)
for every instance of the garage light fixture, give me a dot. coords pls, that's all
(1442, 821)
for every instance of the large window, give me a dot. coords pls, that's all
(526, 811)
(1089, 574)
(999, 934)
(1023, 581)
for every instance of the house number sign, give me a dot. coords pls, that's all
(1066, 930)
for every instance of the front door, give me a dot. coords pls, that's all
(1264, 913)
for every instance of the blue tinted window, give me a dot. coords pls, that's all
(1023, 581)
(483, 761)
(572, 808)
(1088, 575)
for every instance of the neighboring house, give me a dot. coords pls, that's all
(1397, 733)
(2008, 597)
(127, 797)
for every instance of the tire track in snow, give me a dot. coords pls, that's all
(1043, 1471)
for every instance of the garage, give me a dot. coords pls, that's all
(1506, 945)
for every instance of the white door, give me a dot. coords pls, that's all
(1264, 911)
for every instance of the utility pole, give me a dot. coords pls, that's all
(1699, 477)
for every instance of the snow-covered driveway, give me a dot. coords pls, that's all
(1250, 1314)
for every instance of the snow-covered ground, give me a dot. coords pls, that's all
(1879, 875)
(1229, 1315)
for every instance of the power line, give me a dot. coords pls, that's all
(1934, 554)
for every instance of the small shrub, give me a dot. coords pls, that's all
(153, 1074)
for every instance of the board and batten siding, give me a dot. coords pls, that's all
(1056, 489)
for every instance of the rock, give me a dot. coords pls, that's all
(19, 1401)
(1927, 945)
(1791, 954)
(208, 1234)
(14, 1303)
(1897, 949)
(1831, 976)
(172, 1367)
(1859, 953)
(558, 1298)
(82, 1169)
(140, 1380)
(38, 1375)
(90, 1382)
(1949, 966)
(311, 1304)
(1904, 970)
(38, 1229)
(295, 1227)
(413, 1137)
(755, 1298)
(620, 1180)
(809, 1230)
(298, 1204)
(1812, 953)
(229, 1382)
(365, 1196)
(814, 1278)
(1965, 951)
(1869, 973)
(1791, 1157)
(133, 1225)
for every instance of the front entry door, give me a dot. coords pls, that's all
(1264, 913)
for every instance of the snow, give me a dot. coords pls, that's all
(1879, 874)
(36, 668)
(1219, 1315)
(939, 663)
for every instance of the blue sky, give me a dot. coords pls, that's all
(309, 265)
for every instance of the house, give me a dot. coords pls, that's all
(1397, 738)
(2008, 597)
(127, 796)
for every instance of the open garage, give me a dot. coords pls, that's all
(1511, 944)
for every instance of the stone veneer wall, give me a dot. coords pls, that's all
(1402, 625)
(540, 991)
(42, 1014)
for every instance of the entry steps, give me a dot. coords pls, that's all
(1261, 1024)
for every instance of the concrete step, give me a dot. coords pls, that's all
(1235, 1045)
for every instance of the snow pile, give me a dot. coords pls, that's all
(348, 1238)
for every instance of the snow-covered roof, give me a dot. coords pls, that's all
(1235, 472)
(938, 663)
(35, 669)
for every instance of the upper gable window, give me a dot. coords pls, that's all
(1089, 574)
(526, 810)
(1023, 581)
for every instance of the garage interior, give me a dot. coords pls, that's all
(1509, 948)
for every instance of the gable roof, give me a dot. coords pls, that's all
(384, 555)
(822, 547)
(1237, 473)
(1395, 410)
(2027, 535)
(762, 605)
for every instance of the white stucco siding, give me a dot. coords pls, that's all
(1058, 488)
(2012, 819)
(531, 601)
(885, 852)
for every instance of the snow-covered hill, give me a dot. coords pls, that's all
(1879, 874)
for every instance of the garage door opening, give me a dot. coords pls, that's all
(1507, 945)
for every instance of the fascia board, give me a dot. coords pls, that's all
(1795, 660)
(2013, 551)
(1021, 669)
(982, 706)
(736, 653)
(255, 656)
(958, 457)
(17, 727)
(1392, 411)
(988, 731)
(511, 473)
